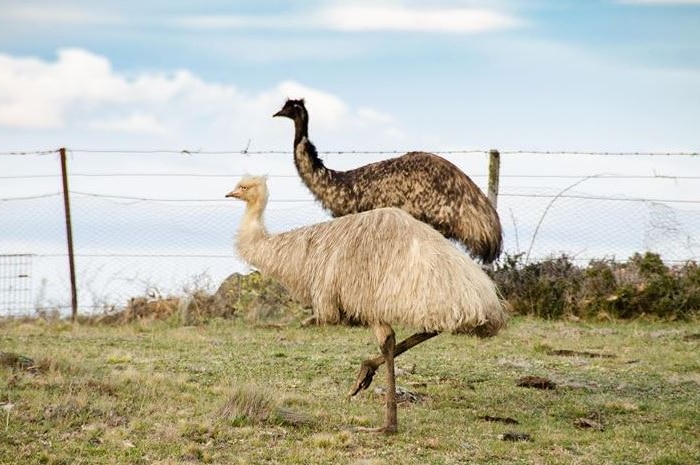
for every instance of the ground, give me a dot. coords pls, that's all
(231, 391)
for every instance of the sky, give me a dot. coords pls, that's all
(611, 75)
(442, 75)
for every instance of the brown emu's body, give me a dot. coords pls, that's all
(430, 188)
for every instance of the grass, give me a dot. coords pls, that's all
(231, 392)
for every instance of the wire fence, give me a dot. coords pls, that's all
(155, 222)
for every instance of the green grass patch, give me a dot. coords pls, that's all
(230, 391)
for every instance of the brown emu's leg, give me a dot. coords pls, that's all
(369, 366)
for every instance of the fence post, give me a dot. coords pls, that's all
(494, 173)
(69, 236)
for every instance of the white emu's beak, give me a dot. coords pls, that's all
(236, 193)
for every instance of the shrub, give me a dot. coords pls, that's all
(644, 285)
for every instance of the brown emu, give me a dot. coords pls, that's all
(427, 186)
(377, 268)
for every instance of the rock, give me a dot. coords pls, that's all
(256, 295)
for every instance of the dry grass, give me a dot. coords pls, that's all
(254, 404)
(254, 297)
(231, 392)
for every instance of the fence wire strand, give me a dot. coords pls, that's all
(114, 151)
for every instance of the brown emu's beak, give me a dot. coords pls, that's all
(279, 113)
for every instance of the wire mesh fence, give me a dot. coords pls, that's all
(157, 223)
(15, 282)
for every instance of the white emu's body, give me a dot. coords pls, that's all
(378, 268)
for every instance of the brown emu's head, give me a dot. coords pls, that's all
(293, 109)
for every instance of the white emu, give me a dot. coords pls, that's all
(377, 268)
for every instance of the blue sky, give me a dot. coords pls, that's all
(512, 74)
(588, 75)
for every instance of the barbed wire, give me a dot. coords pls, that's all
(31, 197)
(600, 197)
(146, 175)
(599, 153)
(350, 152)
(395, 152)
(30, 152)
(270, 152)
(288, 176)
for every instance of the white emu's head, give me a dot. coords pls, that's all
(251, 189)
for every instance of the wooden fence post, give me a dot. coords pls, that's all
(494, 173)
(69, 236)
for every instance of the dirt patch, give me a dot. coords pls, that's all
(22, 362)
(576, 353)
(536, 382)
(515, 436)
(506, 420)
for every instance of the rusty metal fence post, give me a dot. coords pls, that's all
(494, 173)
(69, 236)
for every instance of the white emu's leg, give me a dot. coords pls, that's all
(369, 366)
(387, 343)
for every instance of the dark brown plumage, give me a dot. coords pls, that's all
(427, 186)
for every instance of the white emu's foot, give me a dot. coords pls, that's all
(364, 377)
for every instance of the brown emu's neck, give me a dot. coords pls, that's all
(301, 128)
(305, 155)
(327, 185)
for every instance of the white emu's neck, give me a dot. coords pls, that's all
(252, 228)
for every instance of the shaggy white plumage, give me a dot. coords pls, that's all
(378, 268)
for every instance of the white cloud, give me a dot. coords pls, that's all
(363, 17)
(36, 94)
(327, 109)
(136, 123)
(54, 13)
(401, 18)
(80, 95)
(41, 94)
